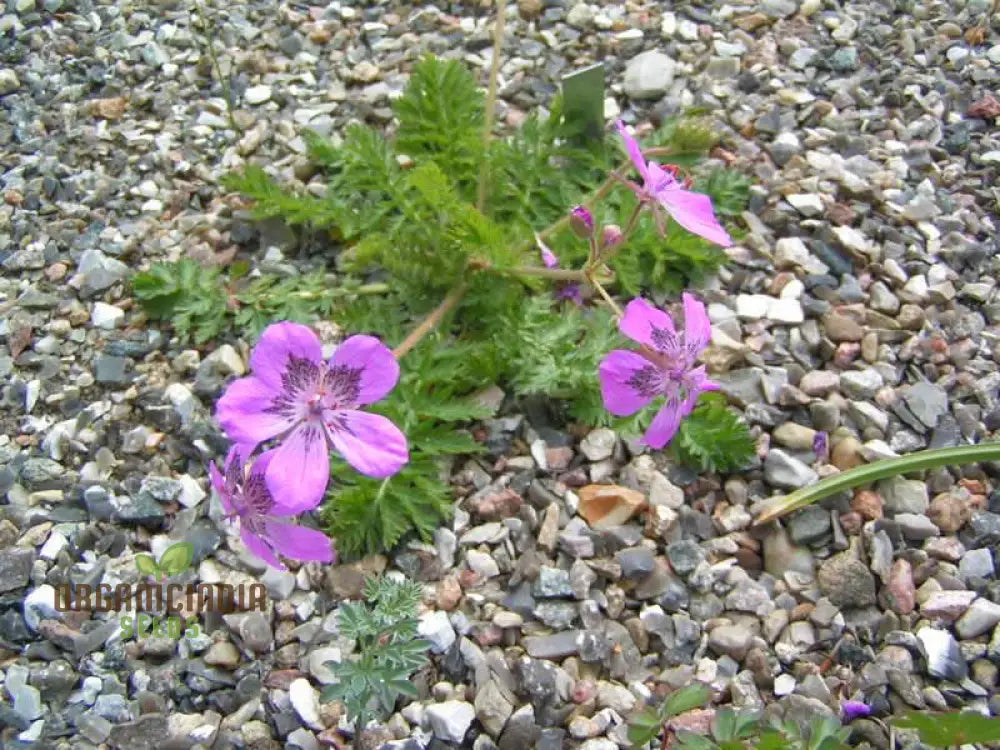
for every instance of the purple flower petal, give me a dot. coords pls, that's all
(852, 710)
(259, 547)
(219, 485)
(299, 542)
(634, 152)
(694, 212)
(641, 321)
(571, 292)
(262, 461)
(300, 470)
(658, 178)
(377, 368)
(697, 327)
(241, 411)
(370, 443)
(277, 343)
(623, 375)
(664, 425)
(548, 257)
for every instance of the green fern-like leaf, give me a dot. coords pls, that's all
(388, 651)
(729, 190)
(372, 515)
(713, 438)
(188, 294)
(441, 116)
(273, 200)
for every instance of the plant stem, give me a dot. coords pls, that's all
(378, 287)
(556, 274)
(931, 459)
(588, 275)
(603, 292)
(217, 67)
(428, 324)
(491, 102)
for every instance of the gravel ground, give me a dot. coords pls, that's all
(863, 303)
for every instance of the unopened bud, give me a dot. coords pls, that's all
(582, 222)
(611, 236)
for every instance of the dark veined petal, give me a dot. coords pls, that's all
(299, 472)
(363, 367)
(629, 382)
(278, 343)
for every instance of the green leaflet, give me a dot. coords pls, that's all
(387, 653)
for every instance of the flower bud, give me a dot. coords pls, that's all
(582, 222)
(611, 236)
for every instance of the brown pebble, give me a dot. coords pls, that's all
(868, 505)
(448, 593)
(949, 512)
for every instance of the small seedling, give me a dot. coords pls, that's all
(174, 560)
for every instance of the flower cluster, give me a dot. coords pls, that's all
(296, 407)
(310, 406)
(666, 361)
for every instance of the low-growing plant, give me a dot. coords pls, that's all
(388, 651)
(442, 211)
(951, 729)
(730, 729)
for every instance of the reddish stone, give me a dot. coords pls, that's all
(945, 548)
(852, 523)
(496, 506)
(559, 458)
(281, 679)
(60, 634)
(583, 691)
(489, 635)
(698, 721)
(868, 505)
(987, 107)
(900, 589)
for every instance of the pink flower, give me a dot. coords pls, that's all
(548, 257)
(566, 291)
(582, 222)
(312, 406)
(663, 192)
(244, 495)
(611, 236)
(664, 366)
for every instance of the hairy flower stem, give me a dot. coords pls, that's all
(603, 292)
(431, 321)
(491, 102)
(962, 454)
(588, 274)
(217, 68)
(555, 274)
(375, 288)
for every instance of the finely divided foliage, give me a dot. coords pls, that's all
(386, 651)
(402, 219)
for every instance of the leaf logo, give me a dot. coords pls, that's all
(175, 559)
